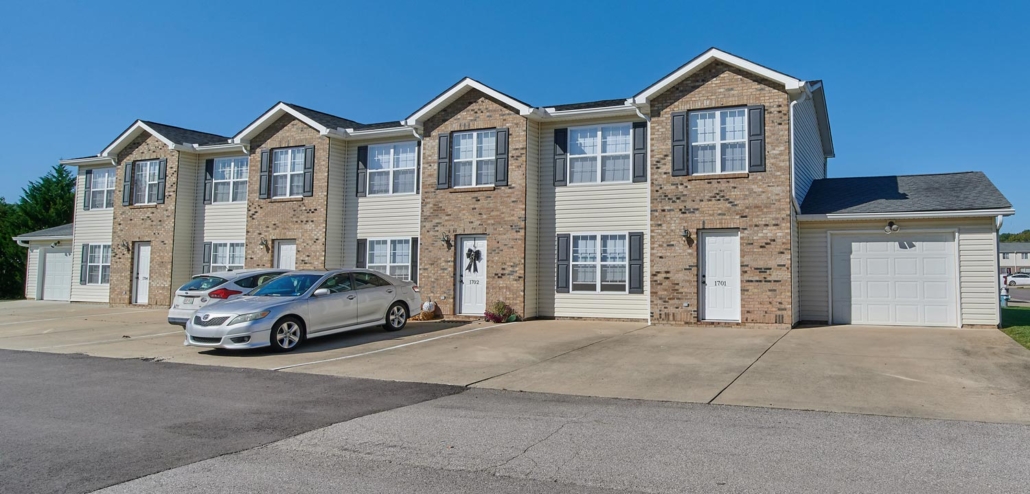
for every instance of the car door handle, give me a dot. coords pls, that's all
(350, 297)
(390, 290)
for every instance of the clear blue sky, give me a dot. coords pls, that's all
(912, 87)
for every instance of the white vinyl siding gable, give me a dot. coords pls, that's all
(211, 222)
(90, 227)
(809, 162)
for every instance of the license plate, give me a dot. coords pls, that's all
(187, 300)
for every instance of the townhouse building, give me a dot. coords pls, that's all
(702, 199)
(1014, 257)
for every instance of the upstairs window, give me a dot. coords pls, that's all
(1004, 255)
(390, 256)
(718, 141)
(475, 156)
(391, 169)
(600, 153)
(230, 179)
(101, 192)
(1024, 255)
(600, 263)
(146, 181)
(288, 172)
(226, 256)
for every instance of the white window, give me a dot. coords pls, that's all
(230, 179)
(718, 141)
(226, 256)
(390, 256)
(288, 172)
(98, 264)
(600, 263)
(600, 154)
(1024, 255)
(101, 191)
(391, 169)
(1004, 255)
(474, 158)
(146, 181)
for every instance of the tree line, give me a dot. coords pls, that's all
(1023, 236)
(44, 203)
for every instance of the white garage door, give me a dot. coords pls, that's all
(894, 279)
(57, 274)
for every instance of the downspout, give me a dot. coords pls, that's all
(418, 186)
(648, 161)
(998, 222)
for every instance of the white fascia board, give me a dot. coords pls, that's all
(270, 116)
(609, 111)
(378, 133)
(789, 83)
(972, 213)
(134, 130)
(93, 160)
(41, 239)
(455, 92)
(219, 148)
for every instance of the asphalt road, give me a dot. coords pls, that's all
(1021, 294)
(72, 423)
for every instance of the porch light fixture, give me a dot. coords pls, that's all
(447, 241)
(263, 244)
(891, 228)
(686, 234)
(125, 245)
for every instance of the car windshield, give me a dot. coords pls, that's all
(291, 285)
(202, 283)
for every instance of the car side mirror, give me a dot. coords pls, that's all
(321, 292)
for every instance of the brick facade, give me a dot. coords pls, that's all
(499, 213)
(758, 204)
(296, 218)
(154, 223)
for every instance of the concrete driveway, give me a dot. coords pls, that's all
(915, 372)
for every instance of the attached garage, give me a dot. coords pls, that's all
(48, 266)
(901, 251)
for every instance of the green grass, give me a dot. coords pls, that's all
(1015, 322)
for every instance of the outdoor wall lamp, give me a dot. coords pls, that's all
(891, 228)
(686, 234)
(264, 244)
(55, 244)
(125, 245)
(447, 241)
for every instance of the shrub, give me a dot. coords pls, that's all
(501, 312)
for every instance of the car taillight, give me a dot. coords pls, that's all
(223, 293)
(415, 288)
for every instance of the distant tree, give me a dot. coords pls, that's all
(1023, 236)
(12, 257)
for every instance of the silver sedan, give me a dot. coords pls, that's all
(304, 304)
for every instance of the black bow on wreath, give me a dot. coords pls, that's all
(474, 256)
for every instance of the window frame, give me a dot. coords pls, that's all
(108, 192)
(289, 174)
(100, 265)
(1004, 255)
(389, 256)
(233, 182)
(599, 155)
(718, 141)
(475, 159)
(390, 171)
(597, 263)
(1024, 255)
(151, 163)
(228, 255)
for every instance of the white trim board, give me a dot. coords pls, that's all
(458, 90)
(972, 213)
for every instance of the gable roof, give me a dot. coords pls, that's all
(589, 105)
(55, 233)
(169, 134)
(965, 191)
(324, 123)
(1014, 247)
(791, 84)
(458, 90)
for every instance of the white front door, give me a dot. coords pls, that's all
(57, 274)
(472, 275)
(286, 254)
(720, 275)
(899, 279)
(141, 280)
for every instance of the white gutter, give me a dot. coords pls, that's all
(612, 111)
(972, 213)
(220, 148)
(97, 160)
(24, 241)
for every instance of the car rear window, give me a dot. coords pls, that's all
(256, 280)
(202, 283)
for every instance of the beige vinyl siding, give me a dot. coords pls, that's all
(222, 222)
(977, 258)
(594, 208)
(809, 161)
(32, 271)
(532, 216)
(335, 206)
(383, 216)
(184, 235)
(91, 227)
(795, 268)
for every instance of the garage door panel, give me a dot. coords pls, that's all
(906, 267)
(935, 266)
(877, 267)
(907, 290)
(907, 314)
(57, 274)
(876, 290)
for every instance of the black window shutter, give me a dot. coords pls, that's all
(162, 167)
(636, 262)
(83, 265)
(206, 266)
(640, 151)
(127, 184)
(414, 259)
(561, 275)
(756, 139)
(264, 182)
(418, 167)
(680, 146)
(501, 174)
(88, 179)
(443, 171)
(362, 170)
(209, 176)
(309, 171)
(561, 144)
(362, 253)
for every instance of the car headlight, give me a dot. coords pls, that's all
(253, 316)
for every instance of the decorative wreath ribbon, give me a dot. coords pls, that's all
(474, 256)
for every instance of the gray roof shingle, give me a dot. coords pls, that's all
(604, 103)
(903, 193)
(325, 119)
(179, 135)
(57, 231)
(1014, 247)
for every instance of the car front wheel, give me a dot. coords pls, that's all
(396, 317)
(287, 333)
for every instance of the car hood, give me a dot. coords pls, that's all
(246, 304)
